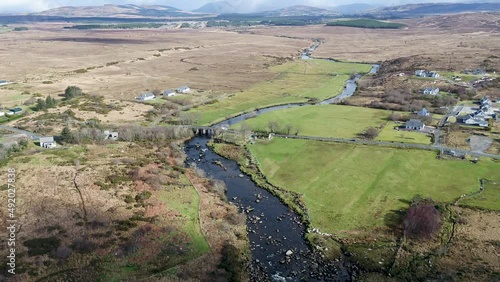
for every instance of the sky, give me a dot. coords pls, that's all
(25, 6)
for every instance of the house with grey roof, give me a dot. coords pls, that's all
(474, 120)
(183, 89)
(47, 142)
(169, 93)
(146, 96)
(14, 111)
(423, 112)
(4, 82)
(430, 91)
(424, 73)
(414, 124)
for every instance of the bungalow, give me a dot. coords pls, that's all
(169, 93)
(14, 111)
(4, 82)
(424, 73)
(430, 91)
(414, 124)
(110, 135)
(478, 72)
(146, 96)
(183, 89)
(471, 120)
(47, 142)
(423, 112)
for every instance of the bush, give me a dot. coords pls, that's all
(422, 221)
(72, 92)
(371, 133)
(41, 246)
(231, 263)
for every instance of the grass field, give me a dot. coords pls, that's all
(348, 187)
(296, 81)
(322, 120)
(388, 133)
(488, 199)
(365, 23)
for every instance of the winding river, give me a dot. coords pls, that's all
(279, 250)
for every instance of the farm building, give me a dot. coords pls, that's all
(146, 96)
(14, 111)
(430, 91)
(414, 124)
(47, 142)
(169, 93)
(183, 89)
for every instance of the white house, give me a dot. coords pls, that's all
(414, 124)
(4, 82)
(476, 121)
(47, 142)
(431, 91)
(146, 96)
(2, 114)
(169, 93)
(183, 89)
(111, 135)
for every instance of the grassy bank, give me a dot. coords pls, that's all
(348, 187)
(297, 81)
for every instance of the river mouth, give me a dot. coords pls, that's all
(277, 244)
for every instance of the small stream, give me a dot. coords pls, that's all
(279, 249)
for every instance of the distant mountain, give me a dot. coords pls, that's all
(235, 6)
(413, 10)
(223, 7)
(300, 10)
(356, 8)
(109, 10)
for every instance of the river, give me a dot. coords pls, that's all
(279, 250)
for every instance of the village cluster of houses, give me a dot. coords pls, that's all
(11, 112)
(167, 93)
(424, 73)
(479, 117)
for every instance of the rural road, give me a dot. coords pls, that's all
(31, 135)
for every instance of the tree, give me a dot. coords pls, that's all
(40, 105)
(288, 128)
(273, 126)
(66, 135)
(72, 92)
(395, 116)
(50, 102)
(422, 220)
(371, 132)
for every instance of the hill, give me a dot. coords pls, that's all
(356, 8)
(301, 10)
(116, 11)
(223, 7)
(414, 10)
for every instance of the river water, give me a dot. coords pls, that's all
(273, 229)
(279, 249)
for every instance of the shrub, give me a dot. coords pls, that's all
(41, 246)
(422, 221)
(371, 133)
(72, 92)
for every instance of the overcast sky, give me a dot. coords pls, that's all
(40, 5)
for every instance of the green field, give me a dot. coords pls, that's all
(353, 187)
(364, 23)
(388, 133)
(488, 199)
(296, 81)
(322, 120)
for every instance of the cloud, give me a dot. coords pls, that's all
(26, 5)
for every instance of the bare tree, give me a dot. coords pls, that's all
(297, 131)
(273, 126)
(422, 220)
(371, 133)
(288, 128)
(395, 116)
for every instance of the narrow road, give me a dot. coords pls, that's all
(31, 135)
